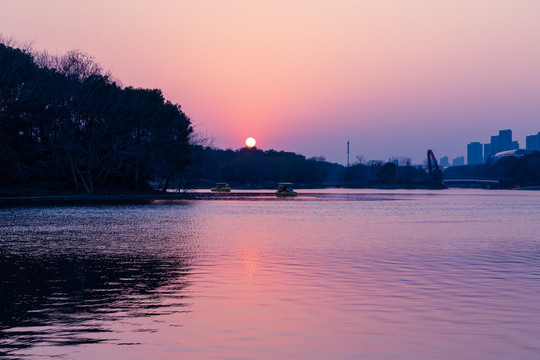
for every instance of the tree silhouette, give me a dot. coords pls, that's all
(64, 121)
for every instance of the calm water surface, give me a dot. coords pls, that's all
(343, 274)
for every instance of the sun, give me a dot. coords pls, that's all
(250, 142)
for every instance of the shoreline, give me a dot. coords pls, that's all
(120, 199)
(143, 199)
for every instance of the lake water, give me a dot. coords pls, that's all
(334, 274)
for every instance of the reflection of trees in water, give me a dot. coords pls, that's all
(69, 299)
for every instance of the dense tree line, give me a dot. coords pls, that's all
(523, 171)
(257, 168)
(253, 167)
(66, 124)
(397, 172)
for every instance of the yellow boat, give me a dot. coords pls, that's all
(221, 187)
(285, 190)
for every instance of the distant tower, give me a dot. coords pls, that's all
(533, 142)
(474, 153)
(347, 153)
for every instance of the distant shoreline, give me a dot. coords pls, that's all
(120, 199)
(134, 199)
(75, 200)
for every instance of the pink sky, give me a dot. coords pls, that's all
(393, 77)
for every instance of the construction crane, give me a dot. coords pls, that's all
(435, 173)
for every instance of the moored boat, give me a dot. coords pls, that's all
(285, 190)
(221, 187)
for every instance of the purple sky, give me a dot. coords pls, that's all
(393, 77)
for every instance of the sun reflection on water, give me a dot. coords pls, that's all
(336, 278)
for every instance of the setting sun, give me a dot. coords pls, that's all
(250, 142)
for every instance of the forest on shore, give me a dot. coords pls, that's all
(256, 168)
(67, 127)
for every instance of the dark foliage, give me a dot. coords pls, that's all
(257, 168)
(522, 171)
(387, 173)
(65, 124)
(393, 173)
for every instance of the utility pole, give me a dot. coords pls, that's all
(347, 153)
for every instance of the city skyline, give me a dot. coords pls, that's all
(478, 153)
(393, 78)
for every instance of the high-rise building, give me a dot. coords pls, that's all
(487, 152)
(501, 142)
(460, 160)
(474, 153)
(495, 144)
(443, 162)
(505, 140)
(533, 142)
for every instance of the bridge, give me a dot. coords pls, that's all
(477, 183)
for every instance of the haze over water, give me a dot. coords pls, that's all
(340, 274)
